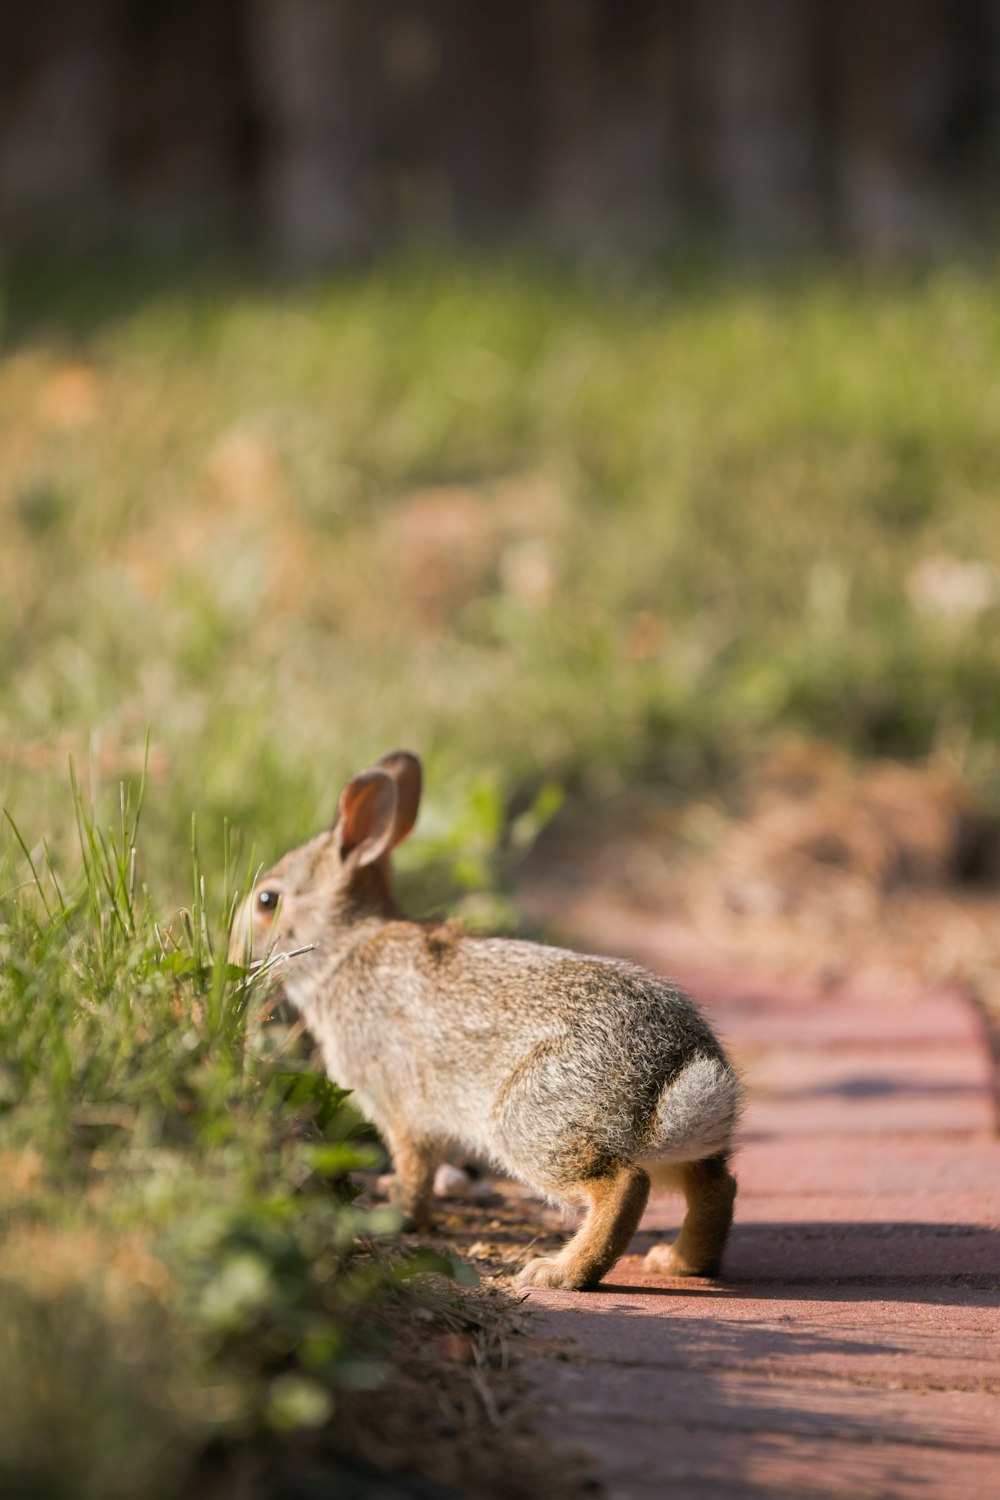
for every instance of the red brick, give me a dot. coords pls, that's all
(945, 1211)
(672, 1463)
(860, 1339)
(910, 1113)
(920, 1164)
(843, 1020)
(622, 1304)
(870, 1072)
(853, 1347)
(886, 1252)
(752, 1401)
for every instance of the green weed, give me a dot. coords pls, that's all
(181, 1263)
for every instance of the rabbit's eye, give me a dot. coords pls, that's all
(267, 900)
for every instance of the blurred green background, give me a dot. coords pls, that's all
(543, 525)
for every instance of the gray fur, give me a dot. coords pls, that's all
(559, 1067)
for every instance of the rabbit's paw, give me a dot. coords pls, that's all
(548, 1270)
(663, 1260)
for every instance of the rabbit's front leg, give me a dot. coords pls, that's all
(414, 1161)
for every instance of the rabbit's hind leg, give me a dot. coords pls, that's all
(615, 1202)
(710, 1190)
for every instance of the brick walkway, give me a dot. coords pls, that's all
(852, 1348)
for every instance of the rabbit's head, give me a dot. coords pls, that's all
(340, 877)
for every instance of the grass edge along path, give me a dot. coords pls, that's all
(189, 1293)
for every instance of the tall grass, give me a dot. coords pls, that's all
(181, 1264)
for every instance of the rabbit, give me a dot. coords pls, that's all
(582, 1077)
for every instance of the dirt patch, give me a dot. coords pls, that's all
(460, 1412)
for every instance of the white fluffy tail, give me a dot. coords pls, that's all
(697, 1113)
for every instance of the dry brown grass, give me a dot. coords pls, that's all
(882, 875)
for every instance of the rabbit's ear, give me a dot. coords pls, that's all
(366, 817)
(404, 768)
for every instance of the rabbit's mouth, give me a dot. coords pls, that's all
(274, 962)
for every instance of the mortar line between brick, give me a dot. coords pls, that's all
(798, 1374)
(924, 1442)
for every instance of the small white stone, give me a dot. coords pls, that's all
(451, 1182)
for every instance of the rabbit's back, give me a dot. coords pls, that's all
(509, 1045)
(517, 993)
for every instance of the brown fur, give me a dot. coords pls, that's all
(615, 1203)
(710, 1191)
(576, 1074)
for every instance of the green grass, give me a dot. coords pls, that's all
(725, 483)
(182, 1269)
(550, 529)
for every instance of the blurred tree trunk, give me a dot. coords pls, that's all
(315, 66)
(179, 136)
(756, 73)
(638, 160)
(488, 107)
(897, 86)
(606, 128)
(55, 159)
(566, 42)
